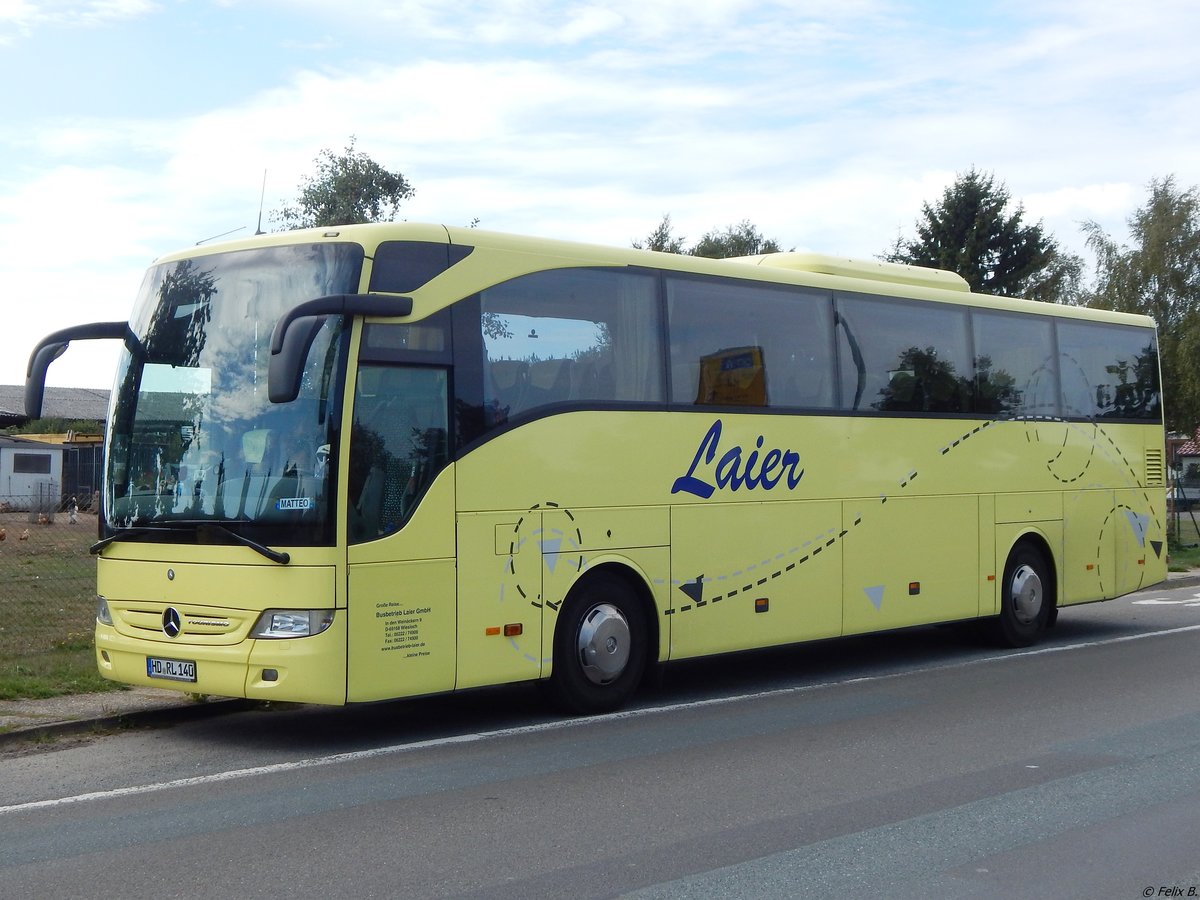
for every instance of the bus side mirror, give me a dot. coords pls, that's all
(51, 347)
(296, 329)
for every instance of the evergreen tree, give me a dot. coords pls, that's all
(971, 232)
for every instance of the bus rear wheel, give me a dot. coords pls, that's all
(599, 646)
(1026, 598)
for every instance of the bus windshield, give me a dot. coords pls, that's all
(193, 436)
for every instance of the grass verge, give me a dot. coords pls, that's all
(1183, 542)
(1183, 558)
(69, 668)
(47, 608)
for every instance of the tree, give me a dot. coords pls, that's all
(662, 239)
(348, 189)
(972, 233)
(1159, 276)
(743, 239)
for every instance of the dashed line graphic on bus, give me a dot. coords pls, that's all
(694, 589)
(555, 542)
(1139, 523)
(960, 441)
(1090, 441)
(551, 544)
(1033, 435)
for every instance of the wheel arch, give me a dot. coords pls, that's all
(1038, 542)
(639, 586)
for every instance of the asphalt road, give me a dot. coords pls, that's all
(914, 764)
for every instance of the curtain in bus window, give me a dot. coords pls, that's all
(1110, 371)
(743, 344)
(570, 336)
(1016, 372)
(637, 365)
(904, 355)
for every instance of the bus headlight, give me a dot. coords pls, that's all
(291, 623)
(103, 615)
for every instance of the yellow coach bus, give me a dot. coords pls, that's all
(377, 461)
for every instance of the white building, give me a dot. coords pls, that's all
(30, 474)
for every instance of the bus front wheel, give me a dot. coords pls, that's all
(1026, 598)
(599, 646)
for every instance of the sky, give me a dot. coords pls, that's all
(134, 128)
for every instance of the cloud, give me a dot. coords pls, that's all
(826, 124)
(720, 24)
(19, 18)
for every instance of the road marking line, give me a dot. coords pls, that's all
(558, 725)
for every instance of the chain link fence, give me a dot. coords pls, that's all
(47, 575)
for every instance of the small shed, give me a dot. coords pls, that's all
(30, 475)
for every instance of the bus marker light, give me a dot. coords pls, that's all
(492, 631)
(914, 588)
(762, 604)
(514, 630)
(1090, 566)
(991, 578)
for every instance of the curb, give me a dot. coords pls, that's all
(137, 718)
(1178, 579)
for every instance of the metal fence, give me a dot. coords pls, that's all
(47, 575)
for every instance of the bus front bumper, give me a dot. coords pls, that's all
(302, 669)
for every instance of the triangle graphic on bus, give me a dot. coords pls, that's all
(875, 595)
(550, 549)
(1157, 546)
(1139, 524)
(694, 589)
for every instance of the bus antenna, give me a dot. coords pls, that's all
(261, 197)
(221, 235)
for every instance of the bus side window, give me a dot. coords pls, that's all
(743, 344)
(570, 336)
(1110, 371)
(907, 356)
(1016, 371)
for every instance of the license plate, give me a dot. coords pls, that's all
(170, 669)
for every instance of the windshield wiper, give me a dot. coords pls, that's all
(276, 556)
(123, 534)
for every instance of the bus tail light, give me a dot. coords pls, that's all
(291, 623)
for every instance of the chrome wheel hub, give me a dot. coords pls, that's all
(603, 644)
(1027, 594)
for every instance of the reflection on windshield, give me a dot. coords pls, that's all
(193, 435)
